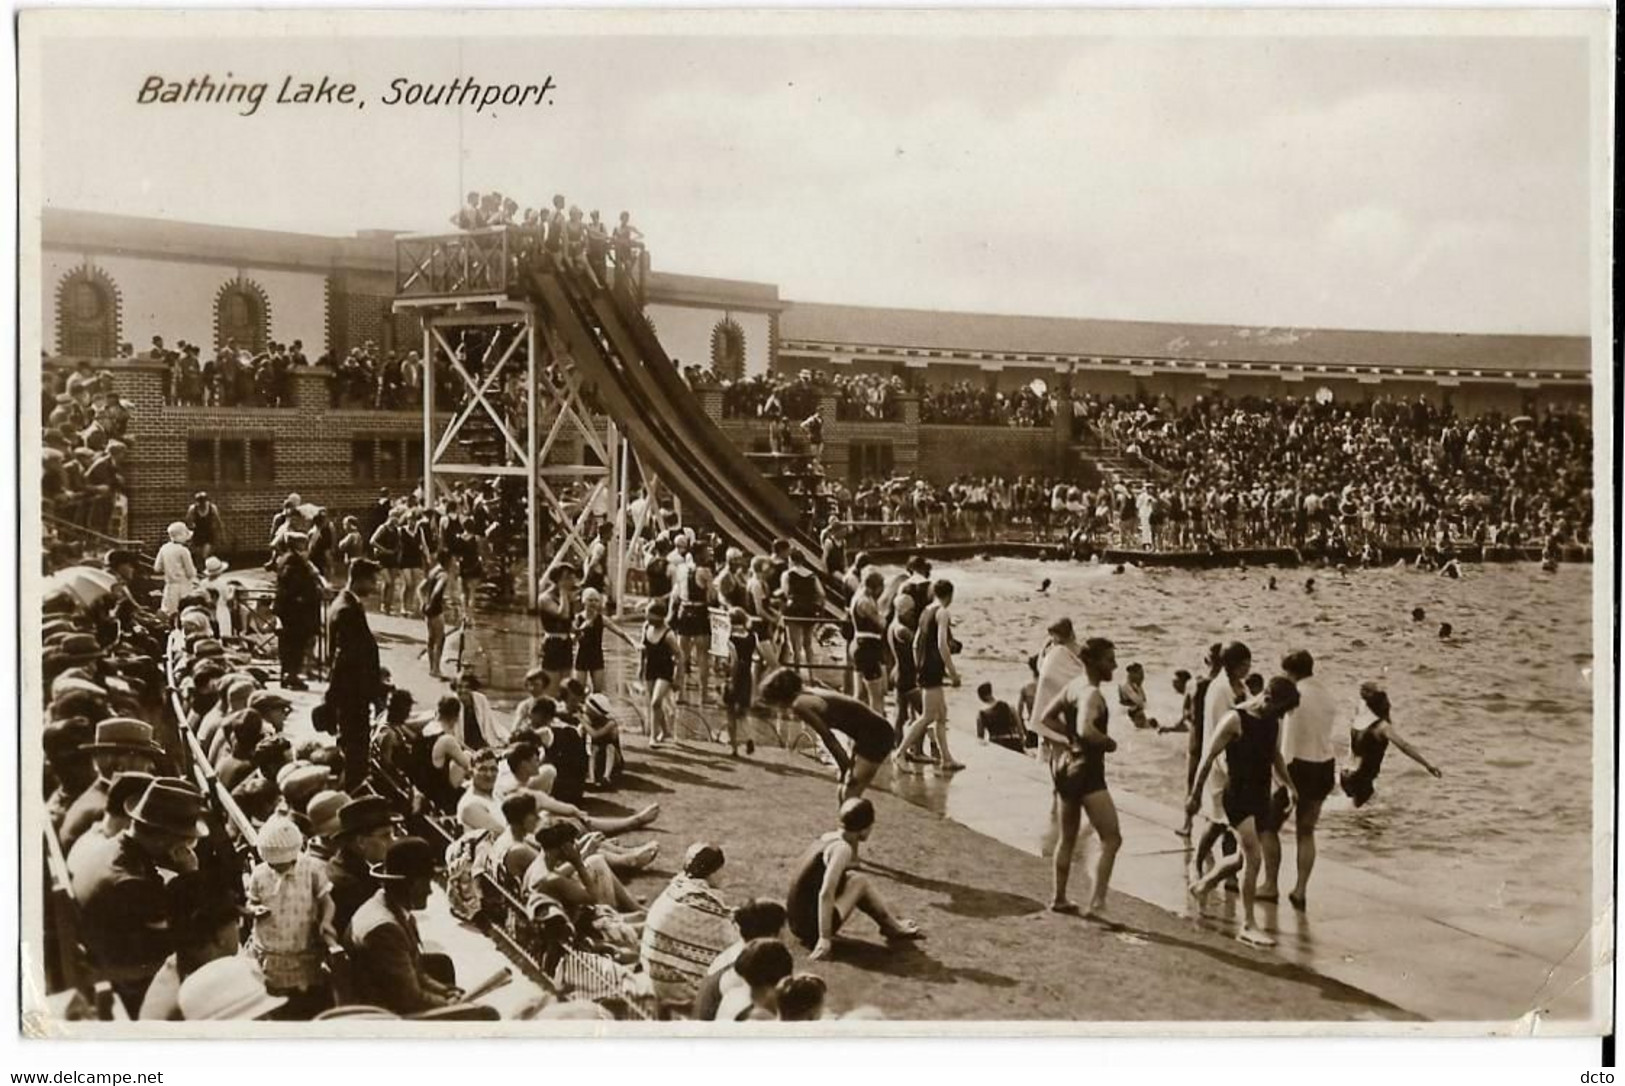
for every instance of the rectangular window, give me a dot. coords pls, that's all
(414, 460)
(261, 461)
(233, 462)
(200, 460)
(389, 460)
(869, 460)
(361, 460)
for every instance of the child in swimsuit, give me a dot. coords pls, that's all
(1131, 695)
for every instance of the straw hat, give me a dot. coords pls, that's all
(125, 733)
(227, 989)
(214, 567)
(323, 812)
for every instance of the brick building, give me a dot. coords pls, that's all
(110, 280)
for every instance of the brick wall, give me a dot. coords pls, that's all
(359, 309)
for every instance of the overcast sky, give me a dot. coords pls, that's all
(1352, 182)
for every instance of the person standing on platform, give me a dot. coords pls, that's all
(208, 531)
(355, 681)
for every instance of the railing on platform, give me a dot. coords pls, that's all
(470, 262)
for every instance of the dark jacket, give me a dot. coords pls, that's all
(386, 960)
(355, 677)
(124, 912)
(298, 592)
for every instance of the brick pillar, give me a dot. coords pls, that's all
(310, 388)
(910, 404)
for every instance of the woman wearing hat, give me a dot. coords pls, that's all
(222, 595)
(174, 563)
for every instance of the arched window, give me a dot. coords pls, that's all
(728, 349)
(87, 314)
(241, 313)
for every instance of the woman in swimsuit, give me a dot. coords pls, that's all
(1369, 744)
(741, 689)
(556, 607)
(869, 640)
(905, 676)
(692, 591)
(826, 712)
(824, 891)
(662, 665)
(1249, 737)
(1075, 723)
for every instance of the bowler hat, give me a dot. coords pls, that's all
(365, 814)
(408, 858)
(125, 733)
(66, 739)
(173, 806)
(208, 647)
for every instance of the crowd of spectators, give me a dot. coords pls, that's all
(84, 449)
(232, 377)
(1296, 472)
(965, 403)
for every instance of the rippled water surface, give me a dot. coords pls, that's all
(1504, 708)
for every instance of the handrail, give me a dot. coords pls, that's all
(208, 783)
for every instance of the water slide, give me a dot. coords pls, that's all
(618, 354)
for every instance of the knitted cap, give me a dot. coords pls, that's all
(280, 840)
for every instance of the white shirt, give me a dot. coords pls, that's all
(477, 812)
(1306, 732)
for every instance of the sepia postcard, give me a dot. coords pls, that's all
(816, 523)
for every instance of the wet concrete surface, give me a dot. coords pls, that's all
(1442, 962)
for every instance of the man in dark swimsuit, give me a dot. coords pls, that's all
(825, 712)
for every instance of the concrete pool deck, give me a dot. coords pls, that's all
(1443, 961)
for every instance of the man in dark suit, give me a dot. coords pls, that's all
(355, 681)
(387, 958)
(298, 607)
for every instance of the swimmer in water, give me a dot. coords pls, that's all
(1045, 586)
(1182, 687)
(1249, 738)
(1309, 586)
(1368, 744)
(1451, 569)
(1131, 695)
(1446, 631)
(1117, 568)
(1417, 614)
(827, 712)
(1075, 724)
(1271, 585)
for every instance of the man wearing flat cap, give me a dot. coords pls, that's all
(122, 745)
(387, 958)
(121, 891)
